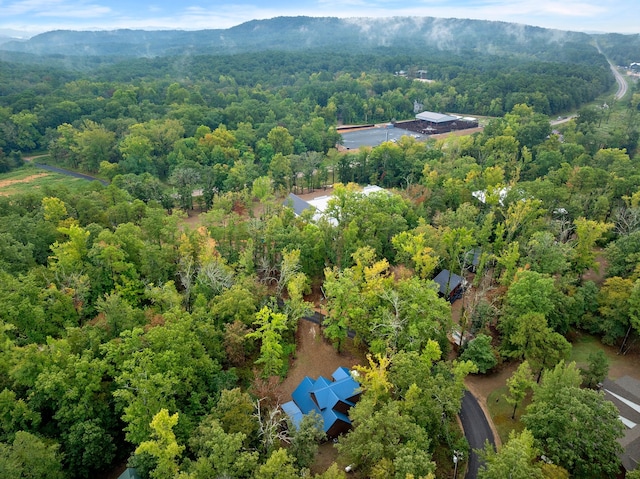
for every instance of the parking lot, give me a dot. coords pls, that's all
(352, 140)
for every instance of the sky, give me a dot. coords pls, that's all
(29, 17)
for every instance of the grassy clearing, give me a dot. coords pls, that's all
(500, 411)
(30, 179)
(586, 344)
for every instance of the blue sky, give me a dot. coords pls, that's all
(35, 16)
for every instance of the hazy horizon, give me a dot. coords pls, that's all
(30, 17)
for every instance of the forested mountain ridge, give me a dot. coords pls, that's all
(303, 33)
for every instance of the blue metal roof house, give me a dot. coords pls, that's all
(331, 399)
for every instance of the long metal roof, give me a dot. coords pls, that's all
(435, 117)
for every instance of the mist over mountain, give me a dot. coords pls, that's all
(303, 33)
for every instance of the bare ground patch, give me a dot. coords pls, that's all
(315, 357)
(28, 179)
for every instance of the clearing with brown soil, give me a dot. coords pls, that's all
(28, 179)
(316, 357)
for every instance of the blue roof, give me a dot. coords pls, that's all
(302, 397)
(341, 373)
(293, 411)
(322, 395)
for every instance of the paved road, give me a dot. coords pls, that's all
(622, 83)
(476, 430)
(69, 173)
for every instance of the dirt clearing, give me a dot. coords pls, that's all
(28, 179)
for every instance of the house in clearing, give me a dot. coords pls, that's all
(331, 399)
(321, 203)
(450, 285)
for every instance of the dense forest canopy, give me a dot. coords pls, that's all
(128, 334)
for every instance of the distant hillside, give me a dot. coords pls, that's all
(302, 33)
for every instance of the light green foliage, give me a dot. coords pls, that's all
(163, 445)
(15, 415)
(508, 259)
(519, 383)
(614, 305)
(516, 459)
(635, 474)
(588, 232)
(534, 341)
(383, 433)
(234, 304)
(30, 458)
(279, 465)
(385, 313)
(167, 367)
(219, 453)
(235, 411)
(530, 292)
(270, 326)
(395, 420)
(333, 472)
(412, 249)
(71, 388)
(70, 256)
(546, 255)
(93, 144)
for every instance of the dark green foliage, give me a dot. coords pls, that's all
(597, 369)
(575, 428)
(480, 352)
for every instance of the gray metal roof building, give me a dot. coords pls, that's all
(437, 118)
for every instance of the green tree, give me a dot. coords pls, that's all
(270, 326)
(29, 457)
(305, 438)
(519, 383)
(163, 445)
(94, 144)
(381, 436)
(480, 352)
(281, 140)
(613, 305)
(597, 369)
(279, 465)
(517, 459)
(534, 341)
(588, 232)
(219, 453)
(575, 428)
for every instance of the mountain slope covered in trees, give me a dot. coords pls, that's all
(304, 33)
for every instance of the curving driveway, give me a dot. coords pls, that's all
(476, 430)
